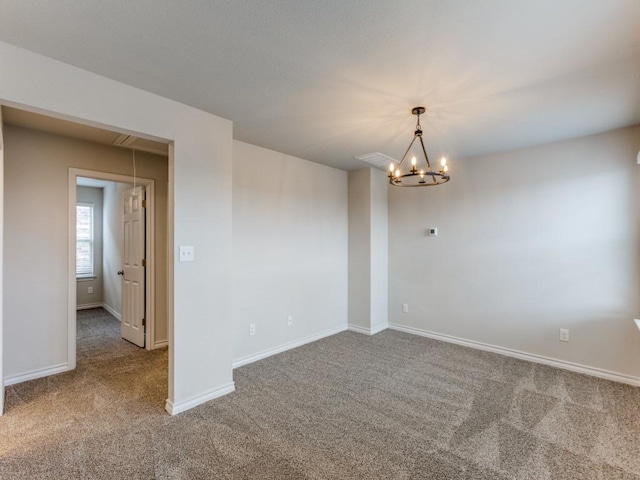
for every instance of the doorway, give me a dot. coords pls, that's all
(128, 207)
(37, 231)
(111, 256)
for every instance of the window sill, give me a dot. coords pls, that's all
(85, 279)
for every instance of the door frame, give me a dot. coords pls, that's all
(150, 289)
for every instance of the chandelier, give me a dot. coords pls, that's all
(418, 176)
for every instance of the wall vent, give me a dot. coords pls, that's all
(125, 140)
(376, 159)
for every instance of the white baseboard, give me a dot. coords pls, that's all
(175, 408)
(286, 346)
(112, 311)
(87, 306)
(368, 331)
(160, 344)
(38, 373)
(531, 357)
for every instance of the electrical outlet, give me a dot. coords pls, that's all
(405, 308)
(252, 329)
(186, 253)
(290, 320)
(90, 290)
(564, 334)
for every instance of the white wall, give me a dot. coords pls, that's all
(199, 203)
(112, 246)
(93, 196)
(528, 242)
(36, 235)
(289, 250)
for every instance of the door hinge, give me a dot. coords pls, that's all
(144, 322)
(144, 262)
(144, 204)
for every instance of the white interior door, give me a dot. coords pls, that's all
(133, 257)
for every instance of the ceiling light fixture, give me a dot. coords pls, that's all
(418, 177)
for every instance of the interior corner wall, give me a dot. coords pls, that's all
(360, 248)
(200, 169)
(528, 242)
(368, 250)
(93, 196)
(37, 230)
(112, 257)
(379, 251)
(289, 251)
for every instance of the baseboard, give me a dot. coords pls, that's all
(33, 374)
(287, 346)
(161, 344)
(175, 408)
(368, 331)
(87, 306)
(112, 311)
(531, 357)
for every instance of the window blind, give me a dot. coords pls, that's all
(84, 240)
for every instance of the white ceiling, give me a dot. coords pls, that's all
(332, 79)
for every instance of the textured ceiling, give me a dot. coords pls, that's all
(332, 79)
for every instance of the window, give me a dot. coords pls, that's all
(84, 240)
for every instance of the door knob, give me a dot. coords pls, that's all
(121, 272)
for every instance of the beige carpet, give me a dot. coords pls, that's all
(392, 406)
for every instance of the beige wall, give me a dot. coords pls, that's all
(528, 242)
(36, 239)
(289, 250)
(83, 297)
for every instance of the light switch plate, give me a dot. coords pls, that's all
(186, 253)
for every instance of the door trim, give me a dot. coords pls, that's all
(150, 287)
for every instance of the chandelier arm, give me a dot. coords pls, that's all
(408, 148)
(426, 157)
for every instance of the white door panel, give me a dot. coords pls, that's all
(133, 282)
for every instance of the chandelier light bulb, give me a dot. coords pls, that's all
(398, 173)
(443, 161)
(446, 168)
(414, 161)
(391, 167)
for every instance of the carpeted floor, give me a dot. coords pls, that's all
(391, 406)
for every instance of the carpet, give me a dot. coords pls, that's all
(390, 406)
